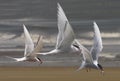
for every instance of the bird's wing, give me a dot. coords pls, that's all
(38, 46)
(29, 45)
(17, 59)
(85, 53)
(97, 46)
(65, 34)
(55, 51)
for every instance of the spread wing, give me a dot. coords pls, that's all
(29, 45)
(85, 53)
(38, 46)
(65, 33)
(97, 46)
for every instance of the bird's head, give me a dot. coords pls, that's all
(77, 46)
(101, 68)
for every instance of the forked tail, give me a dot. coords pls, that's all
(82, 66)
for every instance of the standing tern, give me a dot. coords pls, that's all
(30, 52)
(90, 58)
(65, 36)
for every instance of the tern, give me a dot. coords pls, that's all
(30, 51)
(90, 58)
(65, 36)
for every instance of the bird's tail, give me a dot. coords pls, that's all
(82, 66)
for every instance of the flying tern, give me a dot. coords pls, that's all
(90, 58)
(65, 36)
(30, 51)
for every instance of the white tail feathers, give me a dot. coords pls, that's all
(82, 66)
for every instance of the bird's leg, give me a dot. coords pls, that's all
(87, 69)
(102, 72)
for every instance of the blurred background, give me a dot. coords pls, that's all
(40, 18)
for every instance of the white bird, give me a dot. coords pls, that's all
(65, 36)
(30, 51)
(90, 58)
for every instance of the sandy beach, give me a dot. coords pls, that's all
(40, 18)
(56, 74)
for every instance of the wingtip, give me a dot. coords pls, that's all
(58, 3)
(24, 27)
(94, 22)
(15, 59)
(59, 7)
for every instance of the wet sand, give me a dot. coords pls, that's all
(56, 74)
